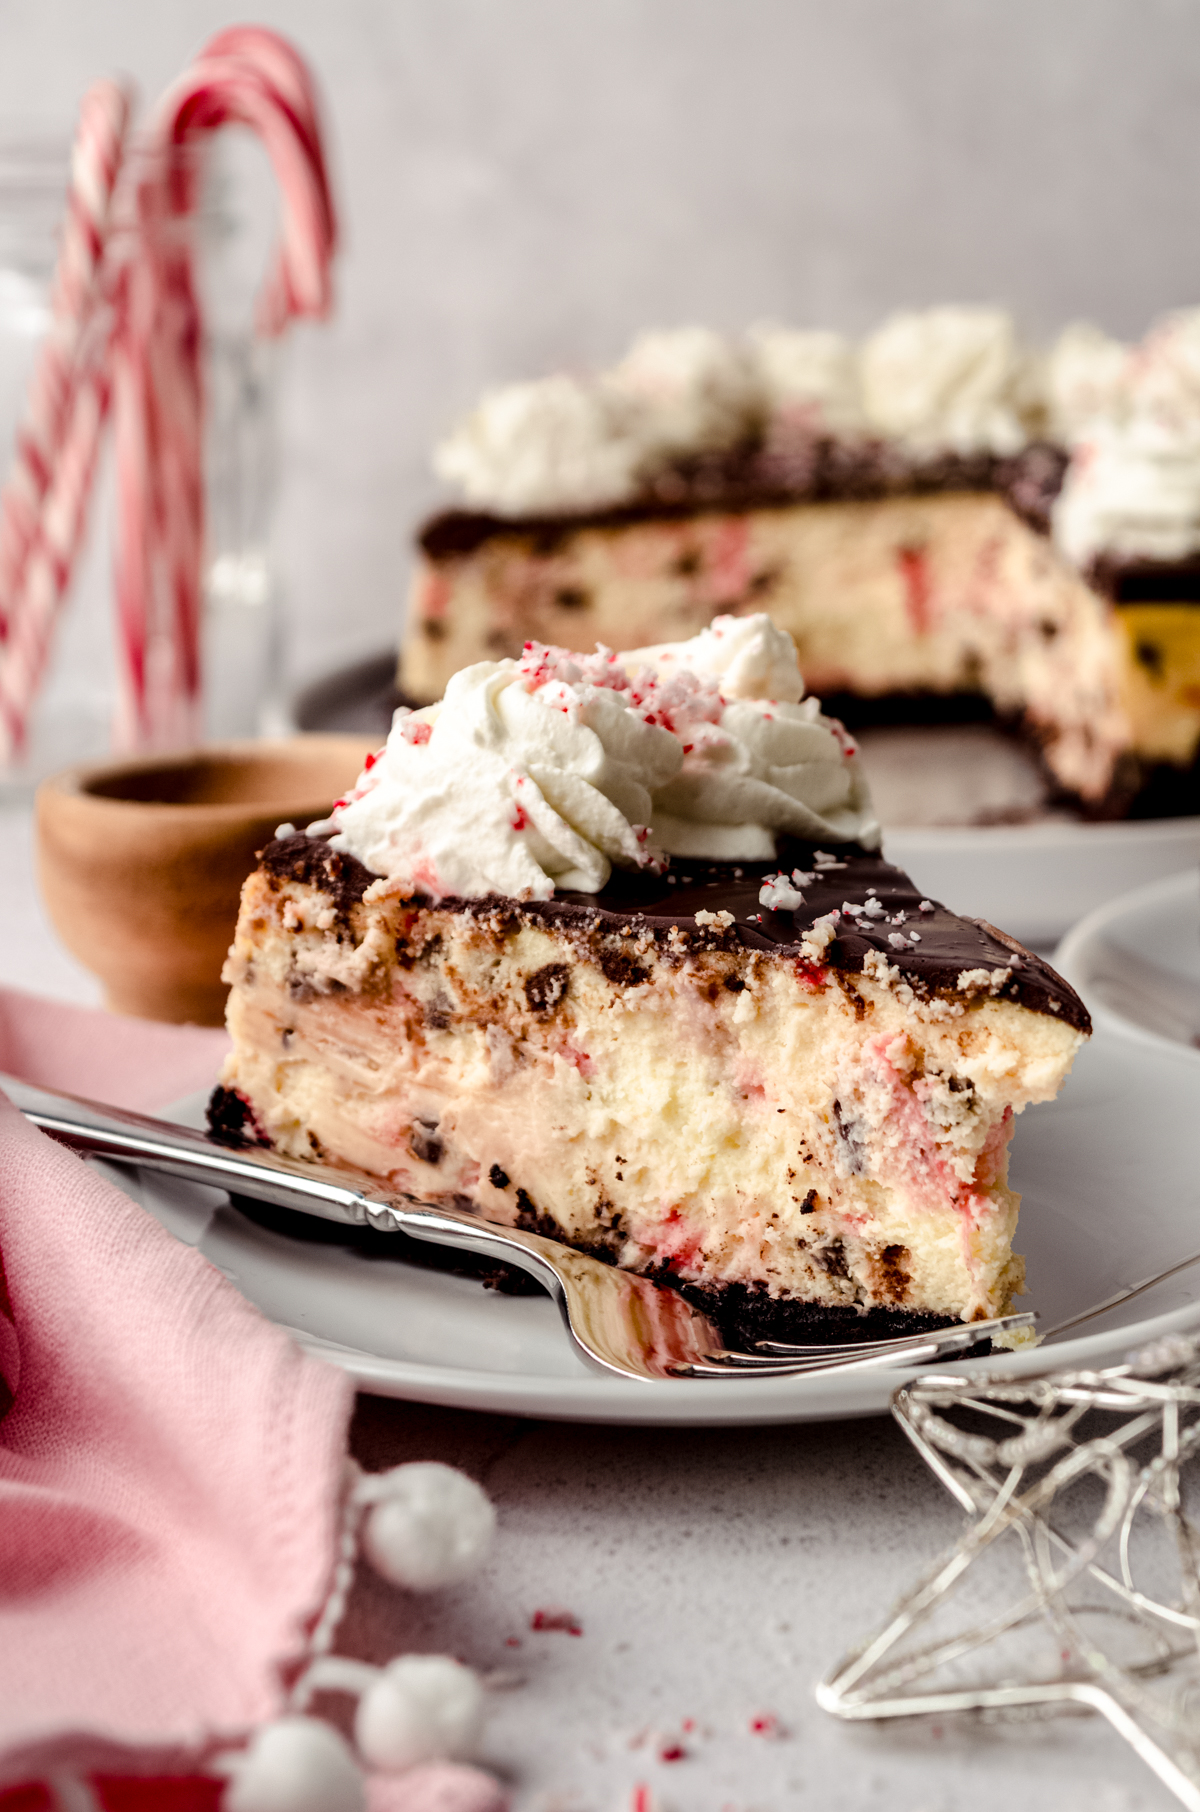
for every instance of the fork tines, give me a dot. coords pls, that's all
(775, 1358)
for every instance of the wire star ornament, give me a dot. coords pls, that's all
(1076, 1585)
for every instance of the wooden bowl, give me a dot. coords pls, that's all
(141, 861)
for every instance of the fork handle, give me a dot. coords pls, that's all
(615, 1320)
(96, 1130)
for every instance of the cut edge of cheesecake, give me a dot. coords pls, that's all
(925, 595)
(799, 1118)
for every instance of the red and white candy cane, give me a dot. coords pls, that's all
(253, 78)
(43, 507)
(146, 355)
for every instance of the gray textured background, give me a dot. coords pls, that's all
(528, 182)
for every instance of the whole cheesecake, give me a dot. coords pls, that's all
(784, 1083)
(947, 524)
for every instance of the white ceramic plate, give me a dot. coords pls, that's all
(1136, 961)
(1035, 875)
(1109, 1179)
(1036, 880)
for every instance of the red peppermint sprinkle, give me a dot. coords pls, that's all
(555, 1619)
(765, 1725)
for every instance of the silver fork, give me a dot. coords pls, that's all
(616, 1320)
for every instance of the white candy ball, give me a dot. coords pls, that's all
(295, 1765)
(423, 1708)
(433, 1528)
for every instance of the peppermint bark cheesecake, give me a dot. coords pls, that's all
(949, 524)
(606, 948)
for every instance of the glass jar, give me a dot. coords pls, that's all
(72, 716)
(243, 645)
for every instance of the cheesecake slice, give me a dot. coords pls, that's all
(786, 1088)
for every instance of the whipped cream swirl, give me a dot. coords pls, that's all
(694, 391)
(1086, 376)
(810, 377)
(547, 771)
(556, 444)
(1133, 484)
(947, 378)
(748, 655)
(568, 443)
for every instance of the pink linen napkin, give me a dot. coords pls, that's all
(171, 1465)
(137, 1064)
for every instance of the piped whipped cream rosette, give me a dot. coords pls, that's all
(544, 773)
(1132, 489)
(768, 763)
(528, 775)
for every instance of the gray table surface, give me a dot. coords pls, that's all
(715, 1575)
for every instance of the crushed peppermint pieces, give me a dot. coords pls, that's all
(926, 906)
(414, 732)
(824, 860)
(552, 1618)
(722, 920)
(982, 981)
(877, 969)
(779, 894)
(817, 940)
(870, 909)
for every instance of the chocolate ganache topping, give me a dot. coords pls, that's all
(752, 476)
(931, 947)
